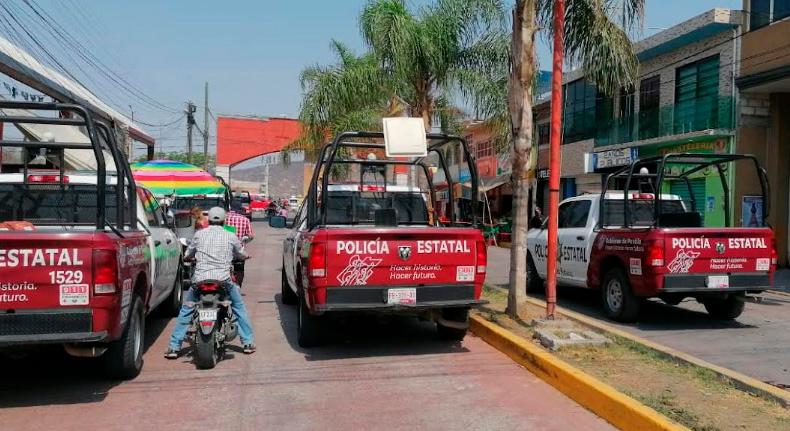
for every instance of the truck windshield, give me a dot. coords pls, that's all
(53, 204)
(346, 207)
(187, 203)
(642, 212)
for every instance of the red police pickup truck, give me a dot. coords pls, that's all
(365, 241)
(75, 261)
(649, 243)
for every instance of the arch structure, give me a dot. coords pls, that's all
(243, 138)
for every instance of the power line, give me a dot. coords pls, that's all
(92, 60)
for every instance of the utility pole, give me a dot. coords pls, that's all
(205, 130)
(554, 155)
(129, 144)
(190, 111)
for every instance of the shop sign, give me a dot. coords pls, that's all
(715, 146)
(463, 175)
(504, 164)
(615, 158)
(543, 174)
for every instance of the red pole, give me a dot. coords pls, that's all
(555, 155)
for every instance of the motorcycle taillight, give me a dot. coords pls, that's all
(208, 287)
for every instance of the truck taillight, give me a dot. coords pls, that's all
(46, 179)
(482, 257)
(316, 264)
(105, 272)
(774, 254)
(655, 254)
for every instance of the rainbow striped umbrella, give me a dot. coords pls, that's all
(165, 177)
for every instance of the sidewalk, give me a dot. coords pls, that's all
(499, 270)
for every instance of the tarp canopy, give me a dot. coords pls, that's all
(168, 177)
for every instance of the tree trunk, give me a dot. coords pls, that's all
(520, 85)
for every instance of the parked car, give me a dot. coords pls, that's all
(639, 244)
(370, 246)
(75, 259)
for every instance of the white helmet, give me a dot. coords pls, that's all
(216, 215)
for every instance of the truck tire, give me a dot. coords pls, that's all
(172, 306)
(619, 301)
(287, 295)
(124, 357)
(206, 355)
(728, 308)
(455, 315)
(534, 282)
(307, 329)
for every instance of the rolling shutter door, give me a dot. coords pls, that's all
(700, 195)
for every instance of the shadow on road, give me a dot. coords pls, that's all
(654, 316)
(362, 336)
(46, 375)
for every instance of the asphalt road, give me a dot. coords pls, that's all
(756, 344)
(392, 374)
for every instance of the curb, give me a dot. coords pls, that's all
(740, 381)
(605, 401)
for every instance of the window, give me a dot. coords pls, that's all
(764, 12)
(579, 114)
(649, 102)
(544, 134)
(573, 214)
(696, 96)
(484, 149)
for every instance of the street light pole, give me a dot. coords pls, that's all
(555, 156)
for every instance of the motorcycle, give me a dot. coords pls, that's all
(213, 321)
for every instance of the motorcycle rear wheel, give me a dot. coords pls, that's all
(206, 355)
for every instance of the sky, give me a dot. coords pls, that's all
(249, 51)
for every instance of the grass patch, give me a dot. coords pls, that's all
(693, 396)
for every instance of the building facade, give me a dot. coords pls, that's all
(683, 100)
(764, 107)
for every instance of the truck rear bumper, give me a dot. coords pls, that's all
(374, 298)
(68, 325)
(697, 283)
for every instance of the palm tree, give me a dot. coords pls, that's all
(444, 47)
(350, 95)
(602, 47)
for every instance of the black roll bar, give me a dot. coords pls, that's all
(702, 161)
(85, 121)
(328, 154)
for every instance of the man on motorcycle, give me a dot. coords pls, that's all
(213, 249)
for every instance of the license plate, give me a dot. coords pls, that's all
(207, 315)
(402, 296)
(718, 281)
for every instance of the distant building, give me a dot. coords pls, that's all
(683, 101)
(764, 107)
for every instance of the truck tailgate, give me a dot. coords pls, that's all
(405, 256)
(730, 250)
(45, 271)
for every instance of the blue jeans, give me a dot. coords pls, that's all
(185, 316)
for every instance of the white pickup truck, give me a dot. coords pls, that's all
(672, 258)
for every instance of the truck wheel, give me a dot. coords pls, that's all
(124, 357)
(173, 304)
(728, 308)
(619, 301)
(206, 355)
(286, 294)
(307, 325)
(534, 282)
(460, 315)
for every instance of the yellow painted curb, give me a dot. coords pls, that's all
(741, 381)
(605, 401)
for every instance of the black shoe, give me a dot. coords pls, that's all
(171, 354)
(249, 349)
